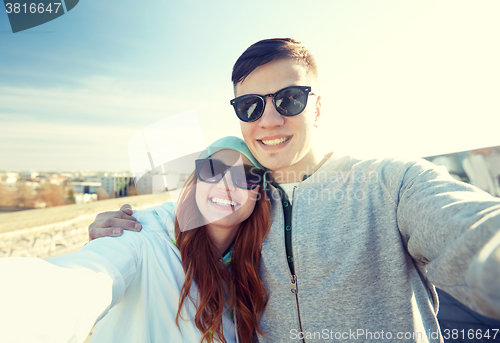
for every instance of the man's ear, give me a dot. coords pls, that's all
(317, 110)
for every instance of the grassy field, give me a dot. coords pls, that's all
(35, 218)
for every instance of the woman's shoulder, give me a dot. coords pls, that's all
(158, 220)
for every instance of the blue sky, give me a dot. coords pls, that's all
(397, 77)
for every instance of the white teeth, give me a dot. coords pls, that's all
(223, 202)
(275, 141)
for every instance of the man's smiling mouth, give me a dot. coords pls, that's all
(275, 141)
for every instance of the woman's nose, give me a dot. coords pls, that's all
(226, 182)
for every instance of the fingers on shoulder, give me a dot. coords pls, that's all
(115, 214)
(105, 232)
(127, 209)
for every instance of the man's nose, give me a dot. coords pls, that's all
(270, 118)
(226, 183)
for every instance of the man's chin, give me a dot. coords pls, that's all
(271, 160)
(273, 164)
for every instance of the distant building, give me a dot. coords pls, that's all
(68, 176)
(85, 192)
(84, 198)
(480, 167)
(86, 187)
(117, 184)
(25, 175)
(57, 180)
(11, 178)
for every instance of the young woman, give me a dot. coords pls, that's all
(191, 275)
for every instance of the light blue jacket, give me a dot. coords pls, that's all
(132, 282)
(147, 302)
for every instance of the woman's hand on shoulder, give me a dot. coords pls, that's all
(112, 223)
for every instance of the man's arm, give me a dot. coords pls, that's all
(452, 231)
(112, 223)
(483, 275)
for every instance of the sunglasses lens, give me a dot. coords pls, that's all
(249, 108)
(290, 101)
(209, 170)
(238, 175)
(254, 177)
(244, 177)
(247, 178)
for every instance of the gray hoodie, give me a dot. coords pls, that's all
(369, 238)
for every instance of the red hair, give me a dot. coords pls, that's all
(240, 288)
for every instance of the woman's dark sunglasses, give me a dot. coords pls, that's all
(243, 176)
(288, 101)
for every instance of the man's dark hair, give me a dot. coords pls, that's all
(273, 49)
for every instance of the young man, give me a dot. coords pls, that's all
(355, 246)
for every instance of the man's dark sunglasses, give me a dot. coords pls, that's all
(243, 176)
(289, 101)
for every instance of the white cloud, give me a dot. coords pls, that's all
(49, 146)
(88, 126)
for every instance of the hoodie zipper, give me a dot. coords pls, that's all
(287, 209)
(293, 278)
